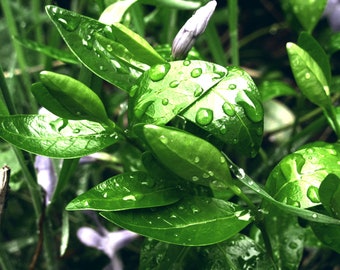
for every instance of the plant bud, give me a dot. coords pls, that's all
(194, 27)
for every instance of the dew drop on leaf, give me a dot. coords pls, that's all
(186, 63)
(315, 215)
(251, 105)
(105, 195)
(196, 72)
(204, 116)
(313, 194)
(195, 178)
(195, 209)
(228, 109)
(198, 91)
(109, 48)
(165, 101)
(232, 86)
(196, 160)
(70, 25)
(129, 198)
(163, 139)
(76, 130)
(174, 84)
(158, 72)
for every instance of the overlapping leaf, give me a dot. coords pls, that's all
(56, 137)
(192, 221)
(127, 191)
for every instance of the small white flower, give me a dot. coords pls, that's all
(194, 27)
(108, 242)
(46, 176)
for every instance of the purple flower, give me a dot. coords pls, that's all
(107, 242)
(332, 12)
(194, 27)
(46, 176)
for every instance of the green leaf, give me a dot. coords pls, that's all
(286, 237)
(119, 51)
(329, 192)
(115, 12)
(69, 98)
(238, 252)
(186, 155)
(61, 55)
(308, 12)
(231, 111)
(273, 89)
(313, 48)
(178, 4)
(296, 211)
(296, 179)
(193, 221)
(126, 191)
(166, 90)
(138, 46)
(56, 137)
(78, 32)
(309, 76)
(328, 234)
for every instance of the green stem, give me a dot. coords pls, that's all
(38, 30)
(233, 31)
(13, 31)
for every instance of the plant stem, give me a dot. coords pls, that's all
(13, 31)
(233, 31)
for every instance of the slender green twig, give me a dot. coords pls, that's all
(233, 31)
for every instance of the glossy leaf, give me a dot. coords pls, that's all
(56, 137)
(296, 179)
(193, 221)
(309, 76)
(126, 191)
(273, 89)
(69, 98)
(139, 47)
(328, 234)
(294, 210)
(313, 48)
(329, 193)
(178, 4)
(78, 32)
(186, 155)
(115, 12)
(308, 12)
(231, 111)
(166, 90)
(238, 252)
(286, 237)
(278, 116)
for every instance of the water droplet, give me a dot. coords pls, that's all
(228, 109)
(174, 84)
(163, 139)
(158, 72)
(173, 216)
(86, 203)
(205, 175)
(204, 116)
(109, 48)
(240, 174)
(223, 129)
(186, 63)
(165, 101)
(196, 160)
(195, 209)
(307, 75)
(70, 25)
(313, 194)
(76, 130)
(58, 124)
(251, 105)
(102, 68)
(232, 86)
(220, 73)
(293, 245)
(196, 72)
(211, 173)
(314, 215)
(222, 159)
(195, 178)
(129, 198)
(105, 195)
(198, 91)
